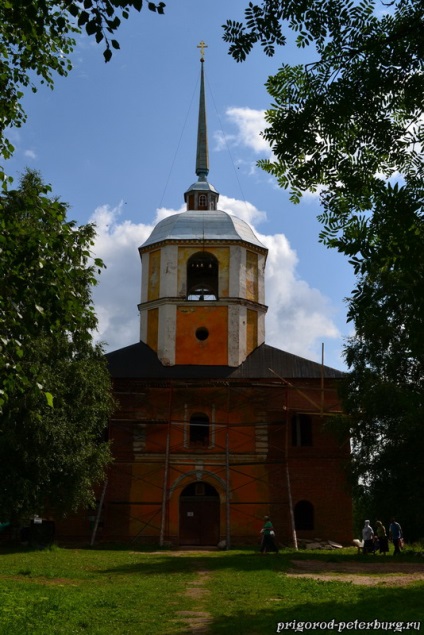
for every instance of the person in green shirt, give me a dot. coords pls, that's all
(268, 537)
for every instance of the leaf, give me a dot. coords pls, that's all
(83, 18)
(92, 28)
(49, 399)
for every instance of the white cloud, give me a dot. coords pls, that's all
(249, 123)
(298, 319)
(118, 292)
(242, 209)
(30, 154)
(162, 213)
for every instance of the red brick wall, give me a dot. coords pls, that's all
(257, 421)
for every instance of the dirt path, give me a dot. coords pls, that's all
(370, 573)
(197, 620)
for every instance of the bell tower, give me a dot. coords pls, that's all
(202, 288)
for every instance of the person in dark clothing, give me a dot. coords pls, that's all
(268, 537)
(383, 541)
(396, 535)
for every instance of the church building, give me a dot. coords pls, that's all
(214, 429)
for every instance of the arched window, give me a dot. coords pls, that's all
(301, 430)
(203, 201)
(304, 515)
(202, 277)
(199, 429)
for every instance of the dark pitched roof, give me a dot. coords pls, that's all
(139, 361)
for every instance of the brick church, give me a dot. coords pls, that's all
(214, 428)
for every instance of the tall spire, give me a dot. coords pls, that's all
(202, 155)
(202, 195)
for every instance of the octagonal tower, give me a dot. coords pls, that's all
(202, 289)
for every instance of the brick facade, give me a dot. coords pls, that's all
(255, 437)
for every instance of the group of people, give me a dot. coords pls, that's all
(379, 539)
(373, 540)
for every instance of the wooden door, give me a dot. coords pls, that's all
(199, 520)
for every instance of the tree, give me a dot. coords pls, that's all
(384, 392)
(352, 117)
(52, 457)
(36, 39)
(50, 450)
(350, 124)
(46, 279)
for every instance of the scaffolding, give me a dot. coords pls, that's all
(159, 439)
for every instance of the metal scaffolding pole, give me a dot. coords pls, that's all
(165, 473)
(228, 508)
(99, 511)
(292, 521)
(313, 402)
(165, 492)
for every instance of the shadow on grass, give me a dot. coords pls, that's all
(240, 560)
(163, 563)
(374, 606)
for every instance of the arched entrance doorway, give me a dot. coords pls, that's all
(199, 515)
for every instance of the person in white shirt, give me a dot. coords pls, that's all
(368, 537)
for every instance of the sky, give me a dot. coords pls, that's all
(117, 142)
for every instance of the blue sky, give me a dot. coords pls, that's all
(117, 142)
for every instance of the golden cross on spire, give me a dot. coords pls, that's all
(202, 46)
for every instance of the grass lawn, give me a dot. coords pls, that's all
(132, 592)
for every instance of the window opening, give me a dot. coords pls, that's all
(301, 430)
(304, 515)
(199, 430)
(202, 333)
(199, 488)
(202, 277)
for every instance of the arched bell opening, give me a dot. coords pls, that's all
(202, 277)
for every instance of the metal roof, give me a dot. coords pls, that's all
(139, 361)
(202, 225)
(201, 185)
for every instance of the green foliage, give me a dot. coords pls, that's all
(353, 112)
(384, 392)
(50, 457)
(46, 278)
(55, 389)
(350, 124)
(102, 18)
(36, 39)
